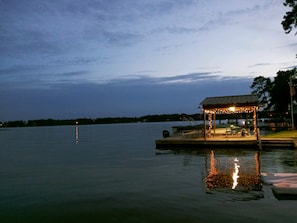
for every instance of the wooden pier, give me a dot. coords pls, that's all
(237, 142)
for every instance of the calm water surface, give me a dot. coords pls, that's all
(112, 173)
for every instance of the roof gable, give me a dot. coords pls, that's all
(228, 101)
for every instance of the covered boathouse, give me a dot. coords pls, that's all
(209, 137)
(213, 106)
(228, 105)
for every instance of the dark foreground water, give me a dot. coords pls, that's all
(112, 173)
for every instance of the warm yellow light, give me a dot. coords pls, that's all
(232, 109)
(213, 168)
(235, 175)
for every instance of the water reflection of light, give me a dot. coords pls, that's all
(76, 133)
(213, 168)
(240, 173)
(235, 175)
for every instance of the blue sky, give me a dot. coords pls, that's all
(72, 58)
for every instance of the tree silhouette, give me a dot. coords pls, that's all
(261, 87)
(274, 95)
(290, 18)
(280, 91)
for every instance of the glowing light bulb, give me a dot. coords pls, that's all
(232, 109)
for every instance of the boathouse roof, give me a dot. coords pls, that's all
(230, 101)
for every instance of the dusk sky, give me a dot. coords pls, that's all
(107, 58)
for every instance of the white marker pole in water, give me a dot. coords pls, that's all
(76, 132)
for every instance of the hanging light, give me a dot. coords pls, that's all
(232, 109)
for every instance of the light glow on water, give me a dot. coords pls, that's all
(213, 163)
(235, 175)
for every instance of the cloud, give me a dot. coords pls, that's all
(262, 64)
(247, 10)
(157, 9)
(233, 15)
(76, 61)
(188, 78)
(114, 99)
(142, 79)
(290, 67)
(292, 45)
(145, 51)
(16, 70)
(280, 65)
(24, 43)
(29, 76)
(122, 38)
(181, 30)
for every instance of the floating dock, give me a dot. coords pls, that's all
(283, 185)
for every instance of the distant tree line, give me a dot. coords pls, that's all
(187, 118)
(108, 120)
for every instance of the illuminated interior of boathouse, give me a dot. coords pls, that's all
(238, 104)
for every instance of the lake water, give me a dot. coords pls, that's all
(112, 173)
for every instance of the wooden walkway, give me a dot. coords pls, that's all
(234, 142)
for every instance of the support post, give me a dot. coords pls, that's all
(255, 122)
(292, 92)
(259, 138)
(214, 124)
(210, 123)
(204, 119)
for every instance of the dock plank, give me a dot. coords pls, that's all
(227, 142)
